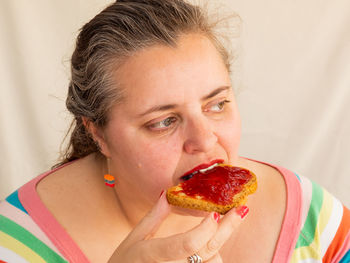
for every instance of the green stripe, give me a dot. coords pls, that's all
(28, 239)
(307, 234)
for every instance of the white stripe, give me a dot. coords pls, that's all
(306, 187)
(332, 225)
(309, 260)
(10, 256)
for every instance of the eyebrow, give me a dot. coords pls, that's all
(215, 92)
(159, 108)
(173, 106)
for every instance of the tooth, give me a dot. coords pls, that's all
(209, 168)
(189, 176)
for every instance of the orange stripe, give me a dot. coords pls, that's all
(339, 237)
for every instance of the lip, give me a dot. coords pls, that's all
(202, 166)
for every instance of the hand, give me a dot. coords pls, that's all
(205, 239)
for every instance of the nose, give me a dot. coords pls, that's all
(200, 136)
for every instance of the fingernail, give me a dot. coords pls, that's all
(242, 211)
(216, 217)
(161, 193)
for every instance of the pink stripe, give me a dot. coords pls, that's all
(22, 219)
(46, 221)
(341, 253)
(292, 219)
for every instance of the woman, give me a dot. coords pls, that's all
(152, 99)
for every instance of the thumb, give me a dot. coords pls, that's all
(147, 227)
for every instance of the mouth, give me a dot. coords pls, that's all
(202, 168)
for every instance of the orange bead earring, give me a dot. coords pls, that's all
(109, 179)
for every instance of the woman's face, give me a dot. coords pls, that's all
(179, 112)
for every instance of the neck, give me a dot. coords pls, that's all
(133, 211)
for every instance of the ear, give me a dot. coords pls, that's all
(97, 135)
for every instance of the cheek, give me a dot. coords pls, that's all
(229, 134)
(161, 155)
(153, 158)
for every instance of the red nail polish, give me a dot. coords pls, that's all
(161, 193)
(216, 217)
(243, 211)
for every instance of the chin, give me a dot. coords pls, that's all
(188, 212)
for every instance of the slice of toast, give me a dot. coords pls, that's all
(215, 190)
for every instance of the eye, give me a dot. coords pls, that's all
(162, 125)
(218, 107)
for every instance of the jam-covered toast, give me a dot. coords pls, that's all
(217, 189)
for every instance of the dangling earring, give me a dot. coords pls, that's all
(109, 179)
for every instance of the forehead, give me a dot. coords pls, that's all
(163, 73)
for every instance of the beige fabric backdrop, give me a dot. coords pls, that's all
(294, 98)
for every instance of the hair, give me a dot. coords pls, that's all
(116, 33)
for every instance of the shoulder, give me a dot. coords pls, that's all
(66, 191)
(316, 221)
(68, 182)
(271, 185)
(38, 221)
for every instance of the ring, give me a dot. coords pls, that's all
(194, 259)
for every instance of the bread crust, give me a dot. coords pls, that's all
(239, 199)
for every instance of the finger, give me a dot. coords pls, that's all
(151, 222)
(228, 224)
(215, 259)
(180, 246)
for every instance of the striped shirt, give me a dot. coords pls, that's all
(316, 227)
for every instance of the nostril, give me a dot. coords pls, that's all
(199, 145)
(200, 137)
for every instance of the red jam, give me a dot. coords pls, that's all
(217, 185)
